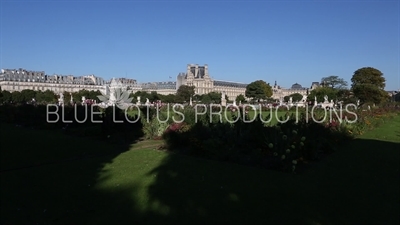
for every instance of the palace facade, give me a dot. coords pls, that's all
(195, 75)
(278, 92)
(21, 79)
(199, 77)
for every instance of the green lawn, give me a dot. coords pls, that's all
(50, 178)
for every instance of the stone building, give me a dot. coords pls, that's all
(164, 88)
(278, 92)
(21, 79)
(195, 75)
(199, 77)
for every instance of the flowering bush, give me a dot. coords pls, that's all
(286, 147)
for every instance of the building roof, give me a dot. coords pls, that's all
(296, 86)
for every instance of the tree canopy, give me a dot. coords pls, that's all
(334, 82)
(368, 85)
(258, 90)
(184, 93)
(26, 96)
(296, 97)
(321, 92)
(240, 98)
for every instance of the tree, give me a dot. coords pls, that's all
(28, 95)
(321, 92)
(215, 97)
(206, 99)
(167, 98)
(296, 97)
(5, 97)
(258, 90)
(240, 98)
(142, 94)
(154, 96)
(184, 93)
(45, 97)
(197, 97)
(17, 97)
(397, 97)
(368, 85)
(346, 96)
(334, 82)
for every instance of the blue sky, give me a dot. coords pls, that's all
(241, 41)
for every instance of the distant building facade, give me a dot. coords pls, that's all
(195, 75)
(21, 79)
(279, 93)
(199, 77)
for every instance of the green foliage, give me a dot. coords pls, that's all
(397, 97)
(240, 98)
(205, 99)
(5, 97)
(368, 85)
(295, 97)
(211, 97)
(44, 97)
(77, 96)
(17, 97)
(320, 93)
(258, 90)
(167, 98)
(346, 96)
(215, 97)
(184, 93)
(334, 82)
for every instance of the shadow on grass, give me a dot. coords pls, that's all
(357, 184)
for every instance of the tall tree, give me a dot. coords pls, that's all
(368, 85)
(334, 82)
(184, 93)
(258, 90)
(240, 98)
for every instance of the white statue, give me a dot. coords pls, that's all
(234, 102)
(61, 99)
(72, 100)
(83, 100)
(223, 99)
(138, 99)
(190, 101)
(290, 100)
(147, 101)
(113, 99)
(304, 98)
(358, 102)
(326, 98)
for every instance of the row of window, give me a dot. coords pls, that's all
(49, 81)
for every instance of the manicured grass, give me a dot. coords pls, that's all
(136, 183)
